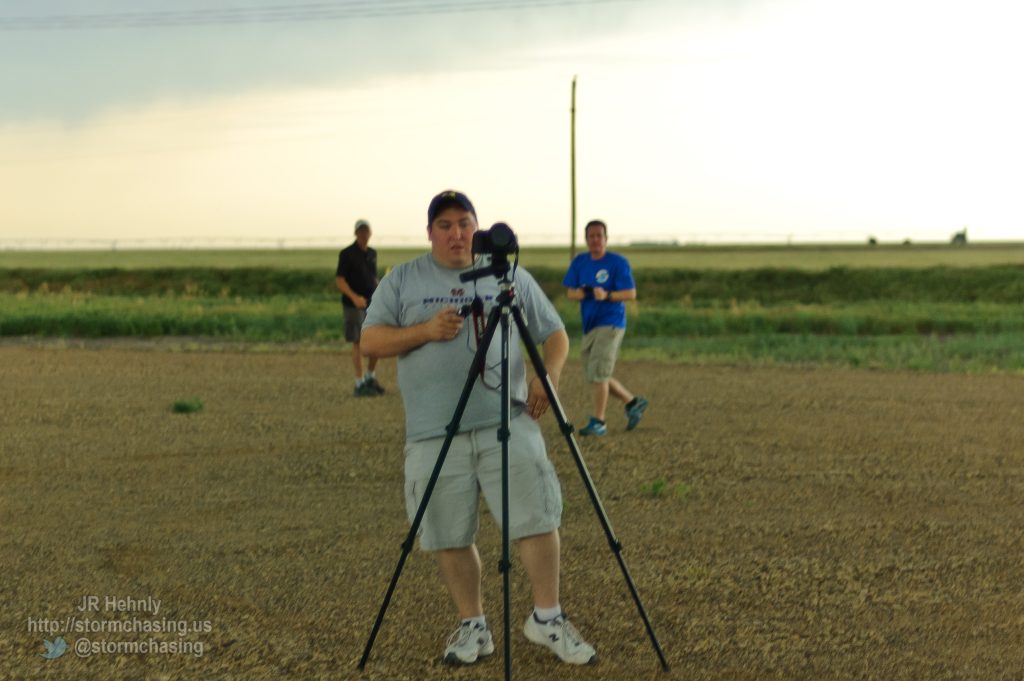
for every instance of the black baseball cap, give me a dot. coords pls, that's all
(448, 199)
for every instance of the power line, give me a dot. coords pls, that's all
(305, 12)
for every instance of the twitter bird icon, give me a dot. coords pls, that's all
(54, 649)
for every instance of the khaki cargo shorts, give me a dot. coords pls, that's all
(472, 466)
(599, 352)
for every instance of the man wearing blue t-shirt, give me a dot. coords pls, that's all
(601, 281)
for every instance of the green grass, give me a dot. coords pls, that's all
(659, 486)
(655, 488)
(935, 318)
(295, 318)
(91, 316)
(190, 406)
(1000, 284)
(892, 335)
(870, 318)
(684, 257)
(966, 353)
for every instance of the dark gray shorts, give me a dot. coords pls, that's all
(353, 323)
(472, 466)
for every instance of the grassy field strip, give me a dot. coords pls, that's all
(291, 318)
(917, 316)
(856, 319)
(92, 316)
(684, 257)
(975, 353)
(999, 284)
(919, 336)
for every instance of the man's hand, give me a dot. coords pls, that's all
(556, 349)
(445, 325)
(600, 293)
(537, 399)
(359, 302)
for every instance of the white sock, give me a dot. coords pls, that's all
(546, 614)
(369, 374)
(479, 620)
(360, 381)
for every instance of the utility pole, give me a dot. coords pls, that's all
(572, 169)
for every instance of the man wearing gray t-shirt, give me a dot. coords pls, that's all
(414, 316)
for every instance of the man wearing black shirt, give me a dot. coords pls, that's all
(356, 278)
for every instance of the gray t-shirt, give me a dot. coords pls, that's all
(432, 376)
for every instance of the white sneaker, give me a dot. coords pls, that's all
(560, 637)
(468, 643)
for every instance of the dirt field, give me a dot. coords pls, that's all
(815, 524)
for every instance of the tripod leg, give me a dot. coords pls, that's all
(588, 482)
(479, 361)
(503, 435)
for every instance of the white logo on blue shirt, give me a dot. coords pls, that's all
(602, 276)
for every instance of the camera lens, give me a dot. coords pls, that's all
(502, 237)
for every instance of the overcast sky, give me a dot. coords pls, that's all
(700, 121)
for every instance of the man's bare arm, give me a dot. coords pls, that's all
(556, 350)
(389, 341)
(343, 286)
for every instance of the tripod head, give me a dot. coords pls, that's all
(499, 242)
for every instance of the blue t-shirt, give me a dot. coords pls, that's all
(612, 273)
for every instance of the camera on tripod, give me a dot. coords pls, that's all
(498, 240)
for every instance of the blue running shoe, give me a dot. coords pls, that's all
(635, 412)
(595, 427)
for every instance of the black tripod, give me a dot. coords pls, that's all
(505, 311)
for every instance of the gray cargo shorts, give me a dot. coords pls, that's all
(472, 466)
(354, 317)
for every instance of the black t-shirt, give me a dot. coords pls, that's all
(359, 268)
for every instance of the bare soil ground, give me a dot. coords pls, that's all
(815, 524)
